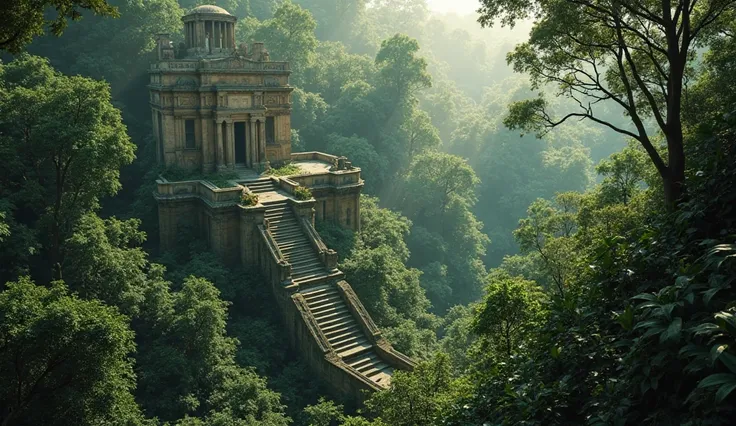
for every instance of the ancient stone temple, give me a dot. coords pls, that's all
(215, 106)
(220, 108)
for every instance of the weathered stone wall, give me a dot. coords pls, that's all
(224, 87)
(172, 216)
(305, 337)
(239, 235)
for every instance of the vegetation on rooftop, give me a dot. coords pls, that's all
(248, 198)
(285, 170)
(302, 193)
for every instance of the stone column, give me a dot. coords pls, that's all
(206, 146)
(200, 34)
(253, 141)
(220, 147)
(231, 143)
(262, 139)
(248, 145)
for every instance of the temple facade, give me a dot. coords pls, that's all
(215, 106)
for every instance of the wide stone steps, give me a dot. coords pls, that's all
(344, 333)
(261, 185)
(370, 365)
(300, 257)
(309, 278)
(293, 243)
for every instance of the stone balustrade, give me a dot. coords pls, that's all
(198, 188)
(382, 346)
(274, 264)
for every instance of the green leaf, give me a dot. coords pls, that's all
(723, 392)
(715, 352)
(645, 296)
(691, 350)
(717, 379)
(727, 321)
(555, 352)
(648, 324)
(729, 361)
(672, 332)
(667, 309)
(707, 327)
(626, 318)
(646, 305)
(709, 295)
(682, 281)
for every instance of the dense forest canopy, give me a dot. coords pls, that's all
(547, 222)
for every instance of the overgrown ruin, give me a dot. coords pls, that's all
(218, 107)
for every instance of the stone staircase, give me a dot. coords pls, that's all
(343, 330)
(306, 265)
(344, 334)
(259, 186)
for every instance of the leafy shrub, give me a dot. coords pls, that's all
(302, 193)
(285, 170)
(248, 198)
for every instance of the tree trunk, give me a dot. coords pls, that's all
(674, 182)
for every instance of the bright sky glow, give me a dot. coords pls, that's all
(461, 7)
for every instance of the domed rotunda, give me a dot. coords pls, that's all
(209, 30)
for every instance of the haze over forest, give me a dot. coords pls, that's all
(546, 225)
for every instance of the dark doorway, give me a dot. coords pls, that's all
(239, 128)
(270, 130)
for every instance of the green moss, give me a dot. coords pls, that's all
(248, 199)
(285, 170)
(302, 193)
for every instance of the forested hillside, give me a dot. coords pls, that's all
(547, 222)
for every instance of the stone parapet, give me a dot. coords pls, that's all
(273, 262)
(202, 189)
(382, 346)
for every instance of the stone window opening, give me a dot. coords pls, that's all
(347, 216)
(270, 130)
(189, 139)
(324, 210)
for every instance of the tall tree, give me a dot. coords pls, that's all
(63, 360)
(21, 20)
(419, 397)
(402, 71)
(420, 134)
(634, 54)
(510, 309)
(66, 143)
(435, 180)
(288, 36)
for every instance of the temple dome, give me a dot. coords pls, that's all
(209, 8)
